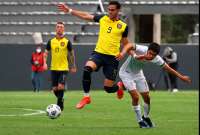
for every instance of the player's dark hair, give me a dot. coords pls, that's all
(154, 47)
(118, 5)
(60, 23)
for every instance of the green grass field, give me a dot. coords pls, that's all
(173, 114)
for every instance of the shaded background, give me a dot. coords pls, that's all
(15, 68)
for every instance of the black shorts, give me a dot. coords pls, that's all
(108, 62)
(58, 77)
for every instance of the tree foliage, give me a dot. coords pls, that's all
(176, 28)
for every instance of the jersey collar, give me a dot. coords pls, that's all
(117, 19)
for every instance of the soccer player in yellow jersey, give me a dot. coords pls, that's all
(112, 33)
(62, 61)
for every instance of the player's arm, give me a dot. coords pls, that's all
(127, 46)
(77, 13)
(71, 57)
(176, 73)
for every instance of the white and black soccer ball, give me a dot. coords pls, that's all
(53, 111)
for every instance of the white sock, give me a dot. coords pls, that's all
(86, 94)
(146, 110)
(138, 112)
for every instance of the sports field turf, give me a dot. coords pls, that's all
(173, 114)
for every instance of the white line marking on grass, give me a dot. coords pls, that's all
(34, 112)
(182, 120)
(179, 120)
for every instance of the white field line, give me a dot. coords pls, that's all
(32, 112)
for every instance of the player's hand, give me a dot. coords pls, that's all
(186, 79)
(120, 56)
(131, 52)
(73, 70)
(63, 7)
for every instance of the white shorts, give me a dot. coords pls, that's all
(134, 83)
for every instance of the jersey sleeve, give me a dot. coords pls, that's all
(140, 49)
(69, 46)
(97, 18)
(48, 47)
(158, 61)
(125, 33)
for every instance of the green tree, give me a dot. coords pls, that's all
(175, 28)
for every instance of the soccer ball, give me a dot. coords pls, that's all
(53, 111)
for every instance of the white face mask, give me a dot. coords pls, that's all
(38, 50)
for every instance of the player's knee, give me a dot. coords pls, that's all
(135, 99)
(87, 73)
(134, 95)
(108, 89)
(61, 86)
(147, 99)
(88, 69)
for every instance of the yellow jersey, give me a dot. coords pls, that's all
(59, 52)
(110, 35)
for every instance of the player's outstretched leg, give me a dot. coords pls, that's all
(86, 82)
(85, 100)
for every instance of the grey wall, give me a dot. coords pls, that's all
(15, 69)
(188, 57)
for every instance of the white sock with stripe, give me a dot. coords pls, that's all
(146, 110)
(138, 112)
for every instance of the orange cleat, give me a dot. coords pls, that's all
(120, 92)
(83, 102)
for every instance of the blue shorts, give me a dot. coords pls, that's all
(108, 62)
(58, 77)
